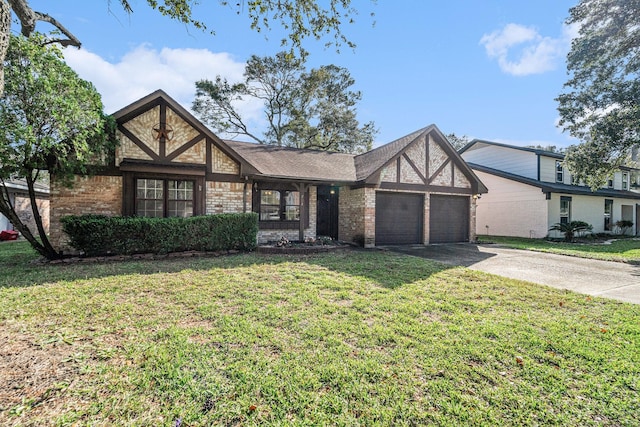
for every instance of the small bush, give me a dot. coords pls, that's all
(572, 229)
(103, 235)
(623, 226)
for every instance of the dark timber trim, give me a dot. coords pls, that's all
(415, 168)
(144, 147)
(184, 147)
(440, 169)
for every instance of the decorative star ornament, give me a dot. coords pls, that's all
(163, 130)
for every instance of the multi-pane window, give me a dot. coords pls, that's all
(559, 172)
(150, 197)
(277, 205)
(180, 198)
(292, 205)
(565, 210)
(625, 181)
(269, 205)
(608, 209)
(164, 198)
(610, 183)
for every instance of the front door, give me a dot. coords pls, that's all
(327, 211)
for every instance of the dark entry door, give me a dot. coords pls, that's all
(399, 218)
(448, 219)
(327, 221)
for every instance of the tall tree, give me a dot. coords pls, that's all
(300, 18)
(50, 120)
(456, 141)
(549, 147)
(601, 102)
(304, 109)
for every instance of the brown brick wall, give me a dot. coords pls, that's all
(196, 154)
(221, 163)
(357, 215)
(183, 132)
(460, 180)
(142, 127)
(226, 197)
(89, 195)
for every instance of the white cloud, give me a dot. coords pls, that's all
(522, 51)
(144, 70)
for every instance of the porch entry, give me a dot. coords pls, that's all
(327, 221)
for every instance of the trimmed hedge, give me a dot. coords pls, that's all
(102, 235)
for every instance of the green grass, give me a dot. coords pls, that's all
(344, 338)
(623, 250)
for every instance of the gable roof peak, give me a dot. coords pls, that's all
(372, 161)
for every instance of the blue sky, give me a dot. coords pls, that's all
(486, 69)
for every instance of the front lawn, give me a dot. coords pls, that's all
(344, 338)
(623, 250)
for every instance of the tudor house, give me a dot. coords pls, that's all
(531, 190)
(415, 190)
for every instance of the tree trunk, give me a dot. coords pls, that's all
(50, 252)
(8, 210)
(5, 31)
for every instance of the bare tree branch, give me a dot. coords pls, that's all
(71, 41)
(28, 19)
(25, 14)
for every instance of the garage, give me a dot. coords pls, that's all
(399, 218)
(448, 219)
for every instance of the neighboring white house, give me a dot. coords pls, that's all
(530, 190)
(18, 195)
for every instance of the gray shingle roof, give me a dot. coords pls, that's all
(552, 187)
(371, 161)
(514, 147)
(283, 162)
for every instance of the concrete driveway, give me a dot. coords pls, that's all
(607, 279)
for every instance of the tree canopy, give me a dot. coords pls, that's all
(456, 141)
(301, 19)
(304, 109)
(601, 102)
(51, 120)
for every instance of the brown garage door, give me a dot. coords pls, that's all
(399, 218)
(448, 219)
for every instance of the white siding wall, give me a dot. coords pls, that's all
(589, 209)
(4, 223)
(510, 160)
(583, 208)
(548, 170)
(511, 209)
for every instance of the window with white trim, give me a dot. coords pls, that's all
(565, 210)
(608, 209)
(625, 181)
(559, 171)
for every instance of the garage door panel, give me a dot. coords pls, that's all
(448, 219)
(399, 218)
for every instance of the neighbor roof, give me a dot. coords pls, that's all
(552, 187)
(514, 147)
(21, 185)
